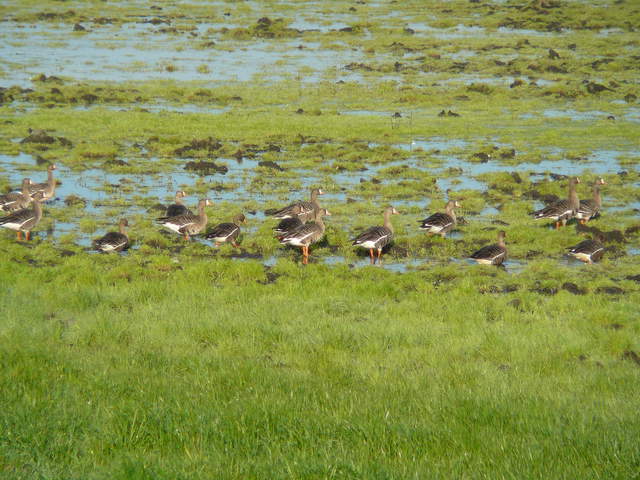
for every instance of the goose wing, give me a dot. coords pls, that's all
(23, 218)
(493, 253)
(112, 241)
(556, 210)
(587, 209)
(437, 220)
(180, 221)
(224, 230)
(375, 236)
(294, 210)
(176, 209)
(304, 234)
(588, 247)
(587, 250)
(11, 202)
(37, 187)
(286, 225)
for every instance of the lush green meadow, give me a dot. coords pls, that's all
(178, 360)
(140, 368)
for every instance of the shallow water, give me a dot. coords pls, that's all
(137, 52)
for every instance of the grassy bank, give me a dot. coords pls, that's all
(144, 368)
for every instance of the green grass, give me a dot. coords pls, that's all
(139, 367)
(177, 361)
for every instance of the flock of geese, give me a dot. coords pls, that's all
(301, 223)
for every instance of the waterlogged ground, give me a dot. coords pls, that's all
(251, 105)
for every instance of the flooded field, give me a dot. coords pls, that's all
(180, 358)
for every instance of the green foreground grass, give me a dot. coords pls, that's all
(139, 367)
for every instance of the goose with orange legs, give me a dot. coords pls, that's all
(25, 219)
(376, 238)
(187, 224)
(307, 234)
(562, 210)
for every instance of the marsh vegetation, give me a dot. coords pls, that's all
(181, 360)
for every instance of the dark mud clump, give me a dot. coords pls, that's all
(448, 113)
(270, 164)
(612, 236)
(632, 229)
(496, 289)
(631, 355)
(246, 255)
(46, 79)
(635, 278)
(206, 168)
(614, 326)
(544, 290)
(89, 98)
(546, 198)
(610, 290)
(72, 200)
(594, 88)
(208, 144)
(358, 66)
(158, 207)
(573, 288)
(39, 136)
(270, 275)
(115, 162)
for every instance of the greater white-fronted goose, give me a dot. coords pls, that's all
(562, 210)
(114, 241)
(307, 234)
(492, 254)
(24, 220)
(177, 208)
(286, 226)
(187, 224)
(589, 208)
(441, 223)
(303, 210)
(48, 188)
(588, 251)
(376, 238)
(16, 200)
(227, 232)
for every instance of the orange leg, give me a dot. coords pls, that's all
(186, 236)
(371, 256)
(305, 255)
(235, 244)
(18, 235)
(379, 254)
(557, 225)
(583, 221)
(27, 235)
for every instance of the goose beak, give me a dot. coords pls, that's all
(320, 192)
(327, 213)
